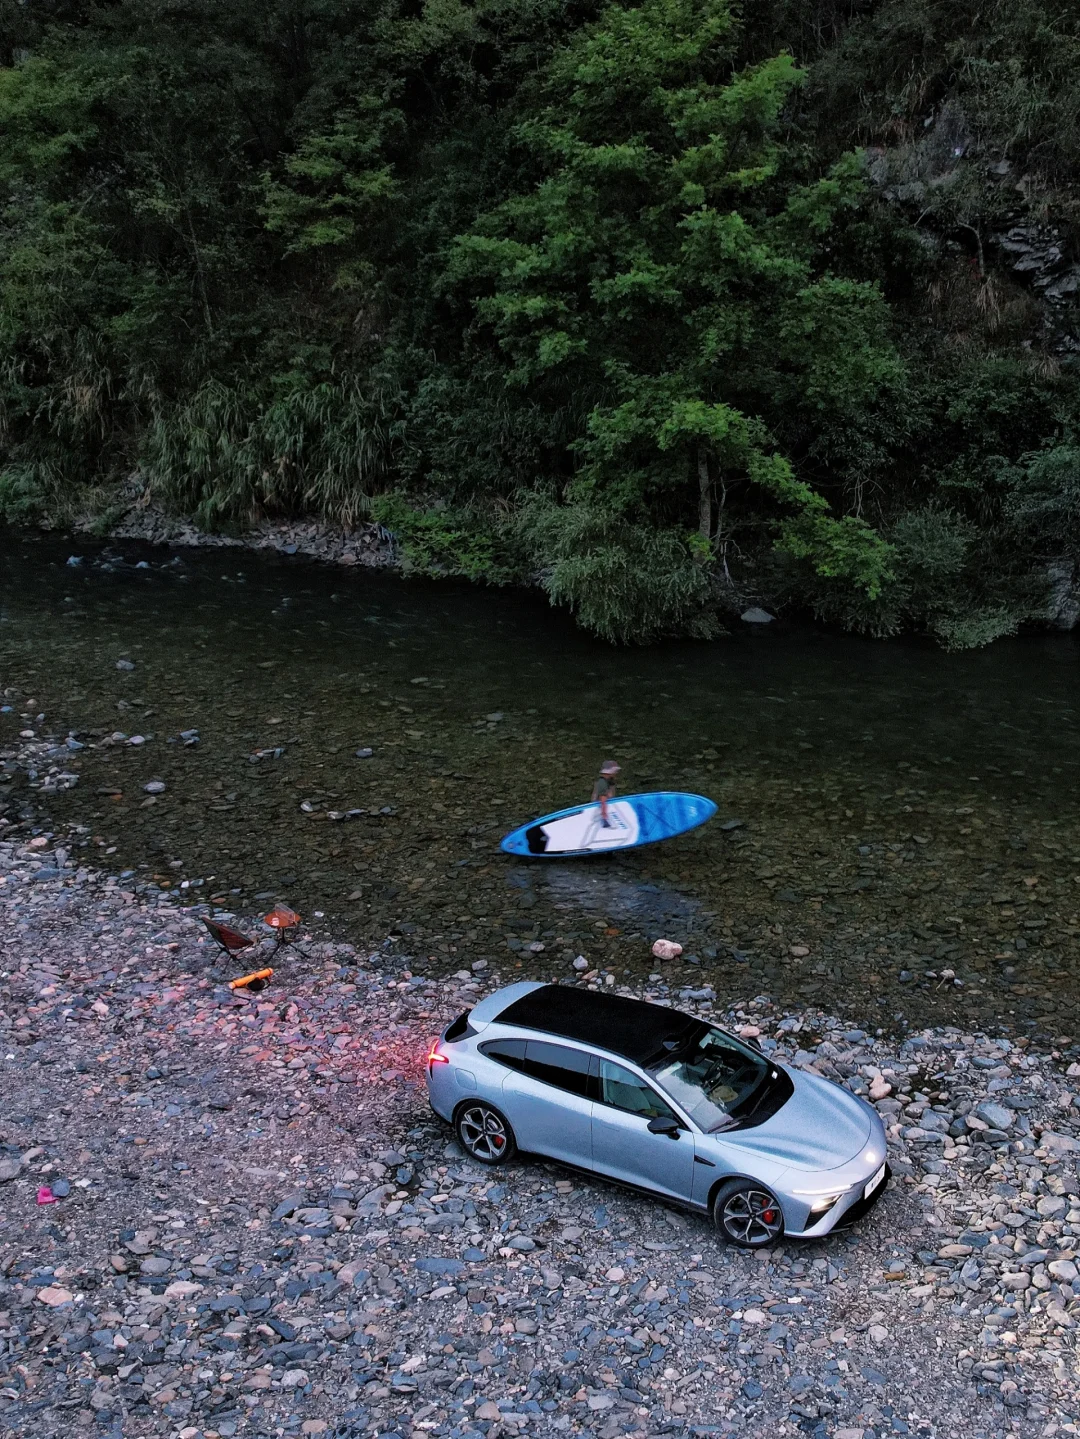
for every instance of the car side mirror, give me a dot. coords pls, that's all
(664, 1124)
(753, 1043)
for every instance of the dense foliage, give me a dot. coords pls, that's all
(668, 307)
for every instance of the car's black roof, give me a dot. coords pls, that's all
(628, 1027)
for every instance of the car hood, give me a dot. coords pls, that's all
(821, 1127)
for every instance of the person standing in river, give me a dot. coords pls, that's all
(604, 789)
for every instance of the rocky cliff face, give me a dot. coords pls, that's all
(958, 194)
(1038, 254)
(1063, 604)
(970, 203)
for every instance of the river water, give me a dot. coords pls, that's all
(907, 818)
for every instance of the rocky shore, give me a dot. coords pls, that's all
(365, 543)
(260, 1229)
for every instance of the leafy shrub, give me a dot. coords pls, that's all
(1044, 499)
(943, 582)
(23, 496)
(441, 541)
(231, 451)
(626, 582)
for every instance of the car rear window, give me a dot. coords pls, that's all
(555, 1064)
(559, 1065)
(460, 1028)
(510, 1052)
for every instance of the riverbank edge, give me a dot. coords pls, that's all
(370, 545)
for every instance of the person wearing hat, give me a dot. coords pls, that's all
(604, 789)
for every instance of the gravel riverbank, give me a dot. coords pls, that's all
(365, 543)
(260, 1228)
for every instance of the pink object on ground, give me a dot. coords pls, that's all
(45, 1195)
(666, 949)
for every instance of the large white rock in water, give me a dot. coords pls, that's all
(666, 949)
(755, 616)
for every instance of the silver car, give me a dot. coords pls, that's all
(661, 1102)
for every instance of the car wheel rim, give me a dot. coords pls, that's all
(483, 1133)
(752, 1217)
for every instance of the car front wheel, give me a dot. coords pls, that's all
(484, 1133)
(748, 1214)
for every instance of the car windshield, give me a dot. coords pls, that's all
(716, 1080)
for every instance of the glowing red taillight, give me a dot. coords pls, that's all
(435, 1057)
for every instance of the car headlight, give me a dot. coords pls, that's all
(825, 1202)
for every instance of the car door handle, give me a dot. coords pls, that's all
(707, 1162)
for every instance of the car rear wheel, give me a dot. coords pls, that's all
(484, 1133)
(748, 1215)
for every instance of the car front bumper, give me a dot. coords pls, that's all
(848, 1209)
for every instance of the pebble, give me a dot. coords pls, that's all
(440, 1266)
(666, 949)
(995, 1115)
(53, 1295)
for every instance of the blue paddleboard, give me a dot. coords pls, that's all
(633, 820)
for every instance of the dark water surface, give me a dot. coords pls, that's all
(903, 810)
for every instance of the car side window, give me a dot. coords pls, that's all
(510, 1052)
(559, 1065)
(623, 1089)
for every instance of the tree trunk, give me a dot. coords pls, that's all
(704, 494)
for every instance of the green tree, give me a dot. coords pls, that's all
(668, 264)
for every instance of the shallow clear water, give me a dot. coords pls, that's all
(903, 810)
